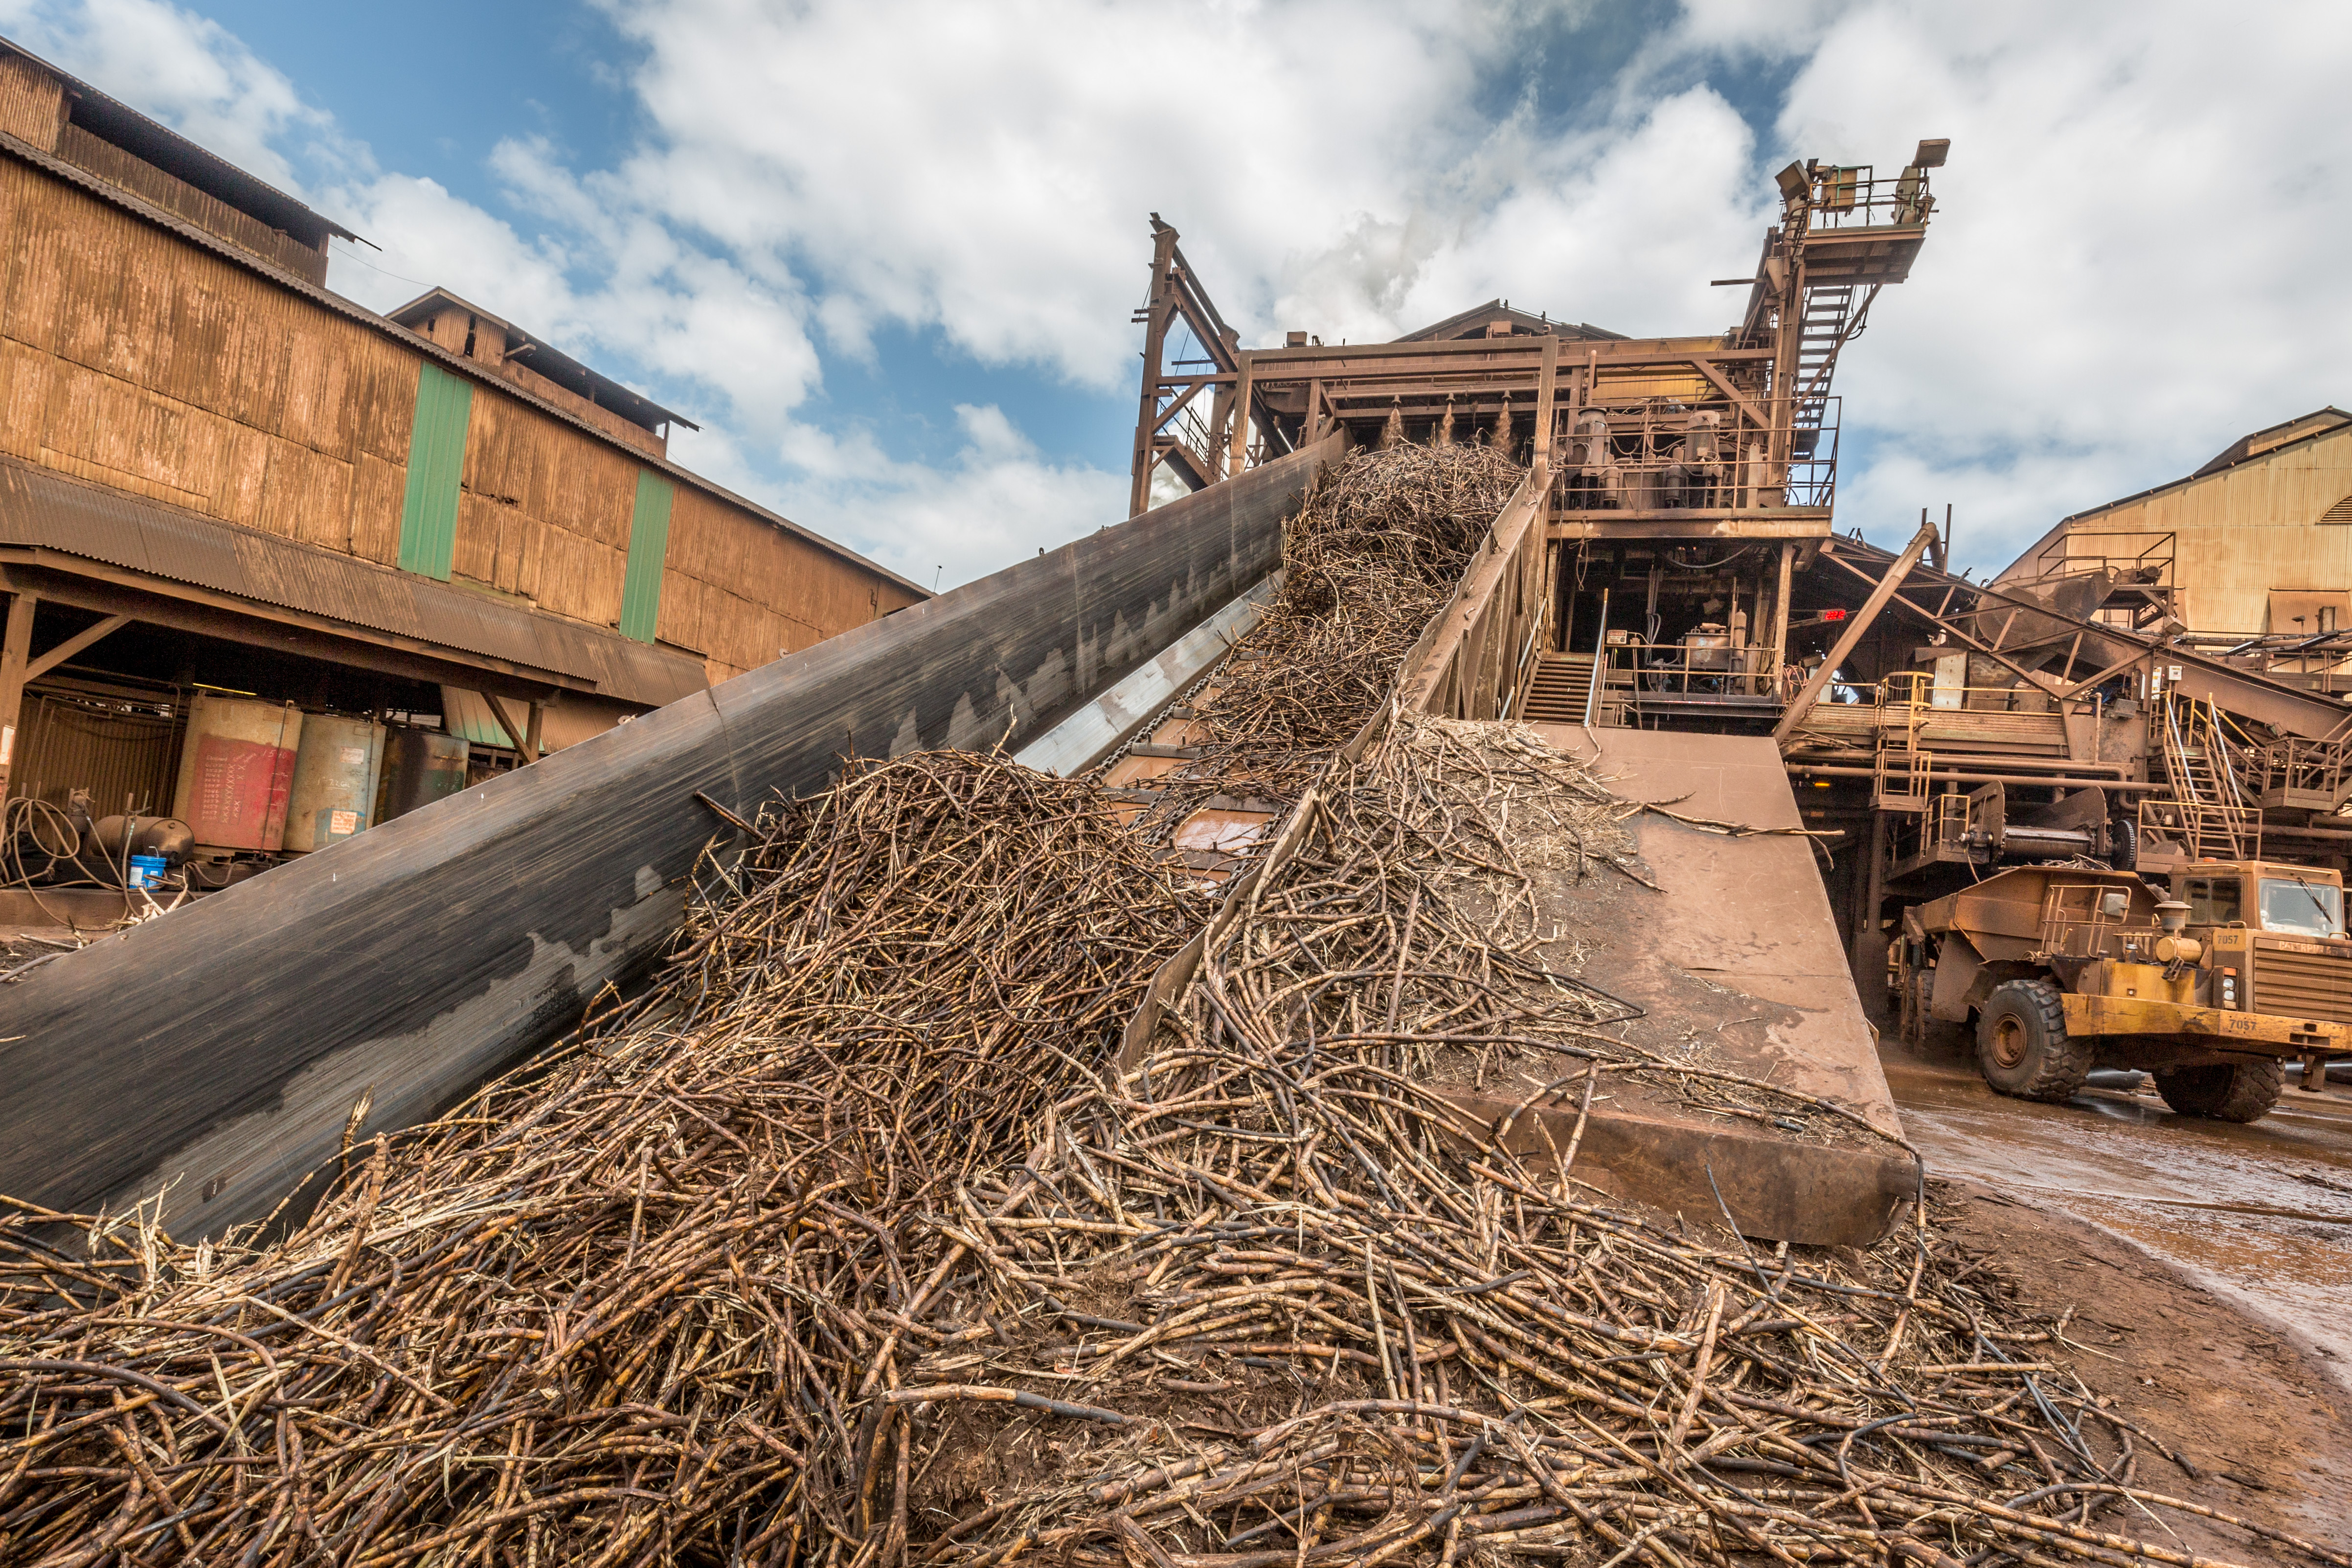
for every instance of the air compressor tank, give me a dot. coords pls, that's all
(335, 776)
(420, 766)
(236, 771)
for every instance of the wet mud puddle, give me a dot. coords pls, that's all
(2261, 1213)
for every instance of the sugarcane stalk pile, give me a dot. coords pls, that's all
(850, 1243)
(1283, 1302)
(1375, 549)
(855, 1241)
(638, 1305)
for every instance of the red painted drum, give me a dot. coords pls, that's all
(236, 773)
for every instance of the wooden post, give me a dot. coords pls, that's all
(16, 653)
(1853, 633)
(530, 742)
(74, 645)
(522, 735)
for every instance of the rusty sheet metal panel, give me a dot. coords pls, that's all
(214, 1055)
(1738, 960)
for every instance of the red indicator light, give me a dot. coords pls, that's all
(1833, 615)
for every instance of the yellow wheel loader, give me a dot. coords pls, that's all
(2066, 968)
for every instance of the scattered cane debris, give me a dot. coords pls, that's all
(855, 1240)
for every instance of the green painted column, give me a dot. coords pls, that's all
(437, 463)
(648, 546)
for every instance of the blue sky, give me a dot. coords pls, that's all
(886, 251)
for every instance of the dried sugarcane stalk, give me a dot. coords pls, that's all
(843, 1244)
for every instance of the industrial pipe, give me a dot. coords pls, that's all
(2118, 786)
(2290, 831)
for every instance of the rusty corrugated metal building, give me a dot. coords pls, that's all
(2255, 543)
(215, 472)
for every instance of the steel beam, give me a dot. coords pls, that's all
(1852, 636)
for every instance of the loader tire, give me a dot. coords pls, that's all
(2022, 1047)
(2240, 1092)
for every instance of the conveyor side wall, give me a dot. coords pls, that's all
(215, 1055)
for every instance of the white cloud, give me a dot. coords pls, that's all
(2134, 260)
(998, 500)
(985, 171)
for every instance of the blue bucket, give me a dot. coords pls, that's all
(146, 870)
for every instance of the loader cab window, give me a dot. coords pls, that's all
(2305, 908)
(2213, 901)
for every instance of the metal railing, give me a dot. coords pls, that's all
(1689, 669)
(1912, 694)
(1854, 195)
(1661, 456)
(1195, 432)
(2079, 919)
(2296, 771)
(2209, 812)
(2152, 563)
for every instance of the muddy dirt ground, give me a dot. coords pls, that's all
(2209, 1268)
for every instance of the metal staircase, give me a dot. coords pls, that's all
(2209, 813)
(1831, 318)
(1560, 690)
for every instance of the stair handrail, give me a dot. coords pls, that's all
(1600, 655)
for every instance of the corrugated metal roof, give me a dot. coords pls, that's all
(2319, 421)
(545, 359)
(1495, 310)
(116, 121)
(2230, 458)
(44, 510)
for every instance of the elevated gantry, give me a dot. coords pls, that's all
(1727, 436)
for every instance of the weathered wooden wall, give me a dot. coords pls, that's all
(32, 102)
(131, 357)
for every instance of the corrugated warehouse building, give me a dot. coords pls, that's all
(2256, 542)
(219, 480)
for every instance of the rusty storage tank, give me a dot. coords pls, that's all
(336, 773)
(420, 766)
(236, 771)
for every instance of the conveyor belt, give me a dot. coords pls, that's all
(214, 1055)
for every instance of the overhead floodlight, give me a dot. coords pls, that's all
(1931, 153)
(1794, 182)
